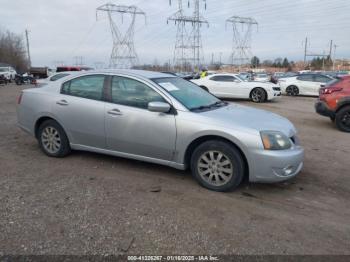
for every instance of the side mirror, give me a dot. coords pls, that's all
(323, 85)
(160, 107)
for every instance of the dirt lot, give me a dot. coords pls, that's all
(96, 204)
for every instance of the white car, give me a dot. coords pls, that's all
(9, 72)
(262, 77)
(304, 84)
(233, 86)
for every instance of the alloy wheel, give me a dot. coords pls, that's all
(51, 140)
(292, 91)
(215, 168)
(257, 95)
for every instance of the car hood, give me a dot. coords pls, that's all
(250, 118)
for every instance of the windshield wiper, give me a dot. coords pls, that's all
(216, 104)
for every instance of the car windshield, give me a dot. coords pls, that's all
(261, 75)
(187, 93)
(3, 69)
(242, 77)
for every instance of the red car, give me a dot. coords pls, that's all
(334, 102)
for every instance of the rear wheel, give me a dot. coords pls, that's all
(342, 119)
(258, 95)
(217, 165)
(292, 91)
(53, 140)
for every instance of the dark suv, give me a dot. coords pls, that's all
(334, 102)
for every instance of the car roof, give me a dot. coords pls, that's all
(131, 72)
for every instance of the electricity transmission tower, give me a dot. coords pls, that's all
(324, 55)
(188, 44)
(242, 36)
(123, 52)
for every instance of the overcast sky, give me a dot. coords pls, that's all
(63, 29)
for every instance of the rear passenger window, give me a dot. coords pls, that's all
(322, 79)
(130, 92)
(305, 77)
(223, 78)
(90, 87)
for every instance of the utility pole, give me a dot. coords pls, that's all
(28, 52)
(335, 48)
(123, 52)
(241, 41)
(330, 49)
(323, 61)
(212, 58)
(305, 51)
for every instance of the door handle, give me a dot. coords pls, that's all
(62, 103)
(115, 112)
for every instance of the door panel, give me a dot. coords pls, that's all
(80, 112)
(82, 118)
(131, 128)
(140, 132)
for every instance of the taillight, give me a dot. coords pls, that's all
(19, 98)
(328, 91)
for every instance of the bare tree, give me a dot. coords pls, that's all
(12, 51)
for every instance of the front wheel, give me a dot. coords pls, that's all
(217, 165)
(258, 95)
(292, 91)
(342, 119)
(53, 140)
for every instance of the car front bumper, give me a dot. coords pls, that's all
(271, 166)
(274, 95)
(322, 109)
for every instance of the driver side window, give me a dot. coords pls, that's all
(130, 92)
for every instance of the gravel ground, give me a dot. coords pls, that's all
(88, 203)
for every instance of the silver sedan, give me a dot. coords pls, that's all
(163, 119)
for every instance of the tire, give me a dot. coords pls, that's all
(205, 88)
(258, 95)
(48, 131)
(216, 173)
(292, 90)
(342, 119)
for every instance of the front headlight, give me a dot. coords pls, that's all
(275, 140)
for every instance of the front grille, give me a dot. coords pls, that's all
(277, 88)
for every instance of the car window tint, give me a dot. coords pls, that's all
(322, 79)
(305, 77)
(222, 78)
(130, 92)
(90, 87)
(58, 76)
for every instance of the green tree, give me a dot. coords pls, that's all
(255, 62)
(285, 63)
